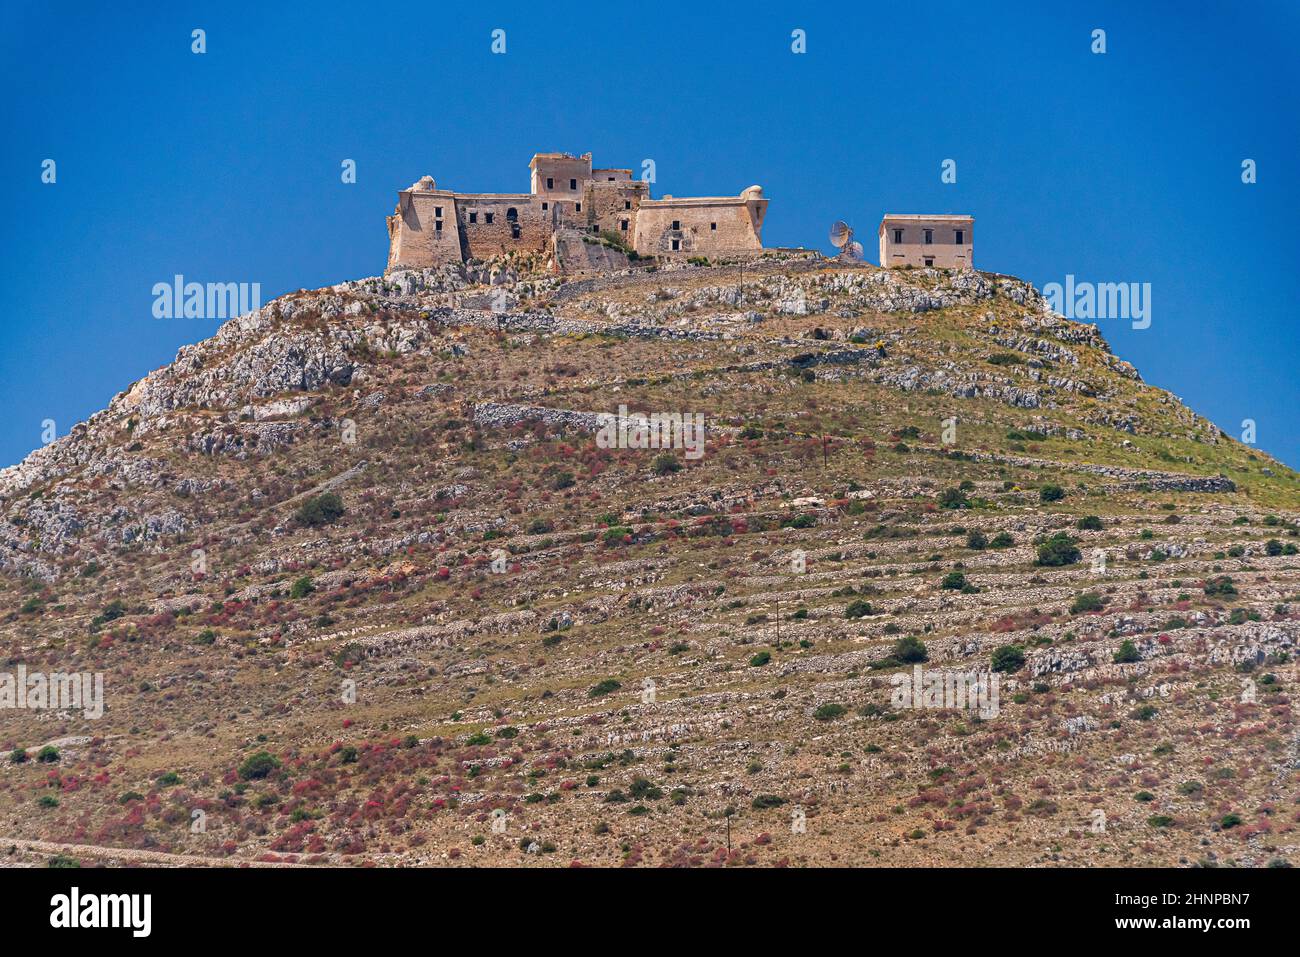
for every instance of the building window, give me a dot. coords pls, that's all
(473, 217)
(929, 260)
(437, 211)
(545, 206)
(898, 236)
(514, 230)
(437, 225)
(577, 207)
(961, 237)
(622, 223)
(611, 179)
(929, 237)
(627, 204)
(713, 227)
(487, 218)
(550, 182)
(573, 184)
(595, 228)
(677, 224)
(677, 244)
(512, 215)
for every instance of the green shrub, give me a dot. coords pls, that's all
(1088, 601)
(858, 609)
(1089, 523)
(1051, 493)
(1222, 586)
(302, 587)
(1127, 653)
(617, 535)
(760, 659)
(608, 686)
(259, 765)
(665, 463)
(829, 712)
(1008, 658)
(324, 509)
(977, 540)
(953, 581)
(1060, 549)
(953, 498)
(910, 650)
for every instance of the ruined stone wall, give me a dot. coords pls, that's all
(696, 227)
(423, 231)
(613, 206)
(517, 224)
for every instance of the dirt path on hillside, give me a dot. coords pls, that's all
(130, 856)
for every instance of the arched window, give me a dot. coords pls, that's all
(514, 230)
(512, 215)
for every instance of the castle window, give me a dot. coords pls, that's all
(487, 218)
(595, 228)
(545, 206)
(611, 179)
(929, 236)
(573, 184)
(550, 182)
(627, 204)
(473, 217)
(512, 215)
(898, 236)
(677, 224)
(514, 230)
(713, 227)
(929, 260)
(961, 237)
(677, 244)
(623, 224)
(577, 207)
(437, 225)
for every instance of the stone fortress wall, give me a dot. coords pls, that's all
(432, 226)
(568, 199)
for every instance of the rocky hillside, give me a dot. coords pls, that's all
(364, 586)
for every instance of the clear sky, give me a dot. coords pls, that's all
(225, 167)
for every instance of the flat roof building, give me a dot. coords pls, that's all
(941, 241)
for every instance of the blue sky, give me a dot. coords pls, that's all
(1120, 167)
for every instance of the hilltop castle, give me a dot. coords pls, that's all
(567, 199)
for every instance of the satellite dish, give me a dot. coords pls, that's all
(842, 239)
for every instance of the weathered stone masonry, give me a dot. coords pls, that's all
(432, 226)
